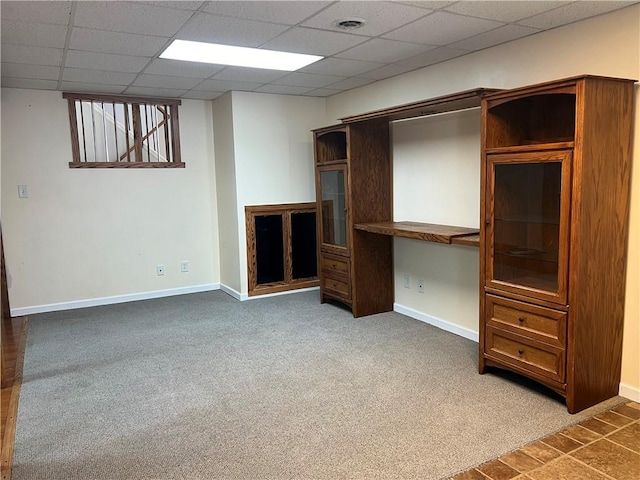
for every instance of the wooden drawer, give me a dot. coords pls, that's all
(539, 323)
(337, 286)
(525, 353)
(335, 275)
(334, 263)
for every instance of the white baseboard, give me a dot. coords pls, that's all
(232, 292)
(277, 294)
(436, 322)
(244, 296)
(94, 302)
(627, 391)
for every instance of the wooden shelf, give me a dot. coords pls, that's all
(432, 106)
(428, 232)
(468, 240)
(533, 147)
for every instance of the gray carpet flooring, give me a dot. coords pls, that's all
(204, 387)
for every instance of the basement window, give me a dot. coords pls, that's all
(281, 247)
(112, 131)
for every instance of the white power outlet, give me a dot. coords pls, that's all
(420, 285)
(184, 266)
(159, 270)
(407, 281)
(23, 191)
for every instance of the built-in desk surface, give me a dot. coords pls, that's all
(428, 232)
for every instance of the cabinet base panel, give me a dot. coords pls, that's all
(343, 303)
(575, 401)
(530, 381)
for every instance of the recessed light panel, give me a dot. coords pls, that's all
(237, 56)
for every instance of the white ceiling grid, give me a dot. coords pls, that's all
(114, 46)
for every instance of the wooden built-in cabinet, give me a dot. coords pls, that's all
(355, 204)
(353, 185)
(281, 247)
(553, 239)
(555, 174)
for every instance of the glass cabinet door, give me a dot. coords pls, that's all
(332, 184)
(527, 222)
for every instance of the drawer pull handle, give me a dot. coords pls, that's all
(333, 265)
(522, 319)
(520, 352)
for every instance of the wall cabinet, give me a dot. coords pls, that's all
(353, 185)
(555, 174)
(281, 247)
(555, 206)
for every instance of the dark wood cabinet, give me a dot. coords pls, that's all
(555, 180)
(355, 204)
(555, 205)
(527, 212)
(353, 185)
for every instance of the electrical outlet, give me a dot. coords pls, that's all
(184, 266)
(407, 281)
(23, 191)
(159, 270)
(420, 285)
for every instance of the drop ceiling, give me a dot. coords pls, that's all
(113, 47)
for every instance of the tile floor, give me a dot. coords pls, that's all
(604, 447)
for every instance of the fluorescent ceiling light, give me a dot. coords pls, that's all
(237, 56)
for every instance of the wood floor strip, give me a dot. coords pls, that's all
(8, 441)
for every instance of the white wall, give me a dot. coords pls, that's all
(436, 179)
(227, 226)
(273, 150)
(93, 233)
(607, 45)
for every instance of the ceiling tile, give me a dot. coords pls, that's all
(115, 42)
(243, 74)
(37, 12)
(23, 70)
(33, 55)
(503, 11)
(225, 85)
(200, 95)
(126, 38)
(339, 66)
(91, 87)
(283, 12)
(29, 83)
(383, 51)
(178, 68)
(131, 17)
(283, 89)
(229, 31)
(184, 5)
(433, 56)
(387, 71)
(572, 13)
(379, 17)
(349, 83)
(315, 42)
(36, 34)
(97, 76)
(155, 92)
(322, 92)
(494, 37)
(427, 4)
(164, 81)
(296, 79)
(105, 61)
(441, 28)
